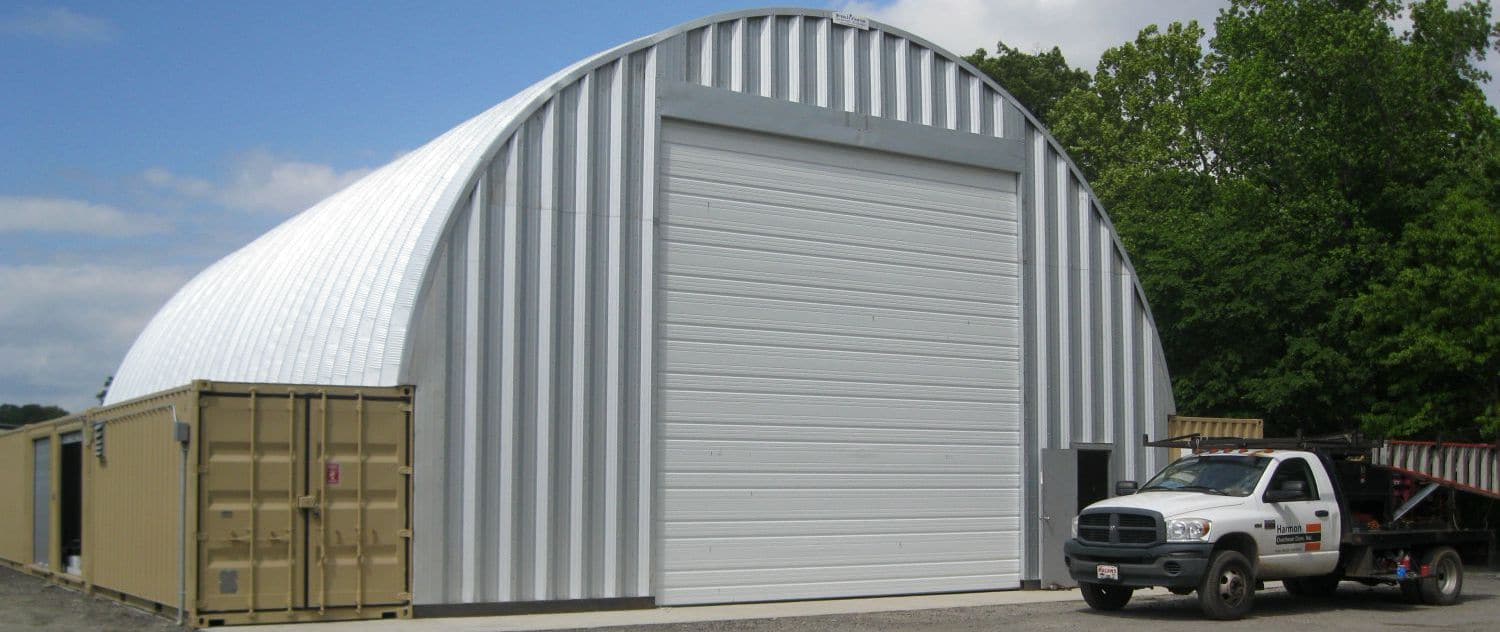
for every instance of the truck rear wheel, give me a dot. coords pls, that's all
(1102, 597)
(1447, 581)
(1228, 588)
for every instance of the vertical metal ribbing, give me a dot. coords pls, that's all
(473, 300)
(254, 496)
(924, 67)
(1085, 315)
(1148, 381)
(1064, 330)
(851, 70)
(736, 57)
(291, 497)
(613, 362)
(950, 83)
(1039, 284)
(767, 56)
(903, 49)
(1127, 365)
(821, 64)
(706, 55)
(1107, 329)
(323, 503)
(546, 247)
(359, 503)
(794, 61)
(976, 96)
(645, 480)
(580, 396)
(998, 103)
(877, 73)
(509, 376)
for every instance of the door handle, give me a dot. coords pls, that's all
(1321, 513)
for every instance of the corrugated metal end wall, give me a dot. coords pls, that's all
(534, 355)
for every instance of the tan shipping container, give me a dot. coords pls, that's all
(1213, 427)
(295, 505)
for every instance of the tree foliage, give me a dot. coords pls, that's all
(1311, 202)
(12, 416)
(1037, 80)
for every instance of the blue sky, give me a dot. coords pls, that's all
(140, 142)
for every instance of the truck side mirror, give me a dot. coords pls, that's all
(1124, 488)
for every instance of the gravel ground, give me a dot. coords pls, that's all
(28, 603)
(1355, 607)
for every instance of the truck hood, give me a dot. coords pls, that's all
(1170, 504)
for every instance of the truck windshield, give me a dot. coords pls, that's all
(1222, 475)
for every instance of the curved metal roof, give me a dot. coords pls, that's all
(327, 296)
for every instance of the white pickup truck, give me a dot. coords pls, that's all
(1240, 512)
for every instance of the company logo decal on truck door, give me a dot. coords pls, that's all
(1311, 538)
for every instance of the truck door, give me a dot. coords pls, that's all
(1303, 538)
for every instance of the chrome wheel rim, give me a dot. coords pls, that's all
(1447, 575)
(1232, 587)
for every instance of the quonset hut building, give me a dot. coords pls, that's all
(776, 304)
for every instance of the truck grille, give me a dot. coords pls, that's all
(1119, 528)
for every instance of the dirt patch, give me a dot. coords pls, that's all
(28, 603)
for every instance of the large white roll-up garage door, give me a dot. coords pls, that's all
(840, 371)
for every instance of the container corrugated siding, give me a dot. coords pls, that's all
(533, 357)
(131, 539)
(1471, 466)
(1179, 426)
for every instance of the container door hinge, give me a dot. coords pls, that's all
(404, 533)
(404, 470)
(405, 596)
(307, 502)
(202, 469)
(202, 537)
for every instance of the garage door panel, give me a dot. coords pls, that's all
(764, 316)
(854, 413)
(822, 363)
(939, 432)
(719, 381)
(825, 504)
(819, 271)
(729, 288)
(765, 216)
(781, 552)
(840, 371)
(893, 253)
(695, 591)
(854, 526)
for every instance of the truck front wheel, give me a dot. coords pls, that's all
(1228, 588)
(1102, 597)
(1447, 580)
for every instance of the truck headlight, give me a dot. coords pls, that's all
(1188, 529)
(1075, 527)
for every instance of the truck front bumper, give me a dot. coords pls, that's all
(1173, 565)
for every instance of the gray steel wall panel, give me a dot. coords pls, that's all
(558, 501)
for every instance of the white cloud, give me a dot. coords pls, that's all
(262, 182)
(63, 328)
(61, 215)
(60, 25)
(1083, 29)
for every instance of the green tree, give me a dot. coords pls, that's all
(1266, 184)
(13, 416)
(1037, 79)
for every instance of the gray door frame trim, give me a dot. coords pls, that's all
(692, 102)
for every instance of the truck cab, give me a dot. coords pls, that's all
(1222, 521)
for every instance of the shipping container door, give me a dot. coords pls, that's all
(253, 468)
(359, 532)
(304, 503)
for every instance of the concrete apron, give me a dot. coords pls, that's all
(699, 614)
